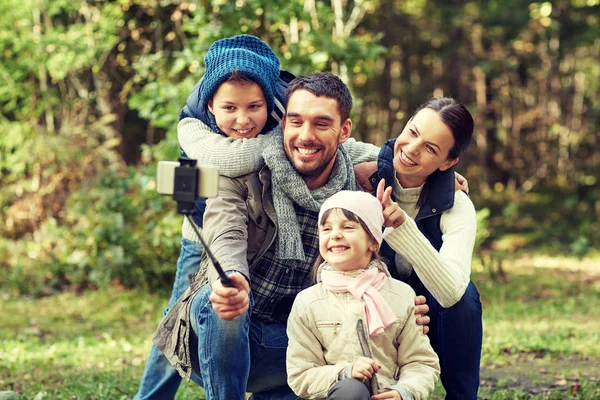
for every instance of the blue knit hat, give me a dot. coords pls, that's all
(243, 53)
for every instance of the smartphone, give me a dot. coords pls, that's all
(208, 179)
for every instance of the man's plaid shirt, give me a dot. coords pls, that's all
(275, 282)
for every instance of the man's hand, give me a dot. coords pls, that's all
(460, 183)
(364, 368)
(230, 302)
(420, 310)
(393, 215)
(363, 172)
(386, 394)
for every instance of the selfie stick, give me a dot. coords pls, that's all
(185, 193)
(224, 278)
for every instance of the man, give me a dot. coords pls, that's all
(263, 230)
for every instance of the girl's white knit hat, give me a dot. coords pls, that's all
(363, 205)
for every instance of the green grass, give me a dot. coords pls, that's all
(541, 340)
(70, 346)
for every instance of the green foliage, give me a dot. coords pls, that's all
(115, 229)
(483, 231)
(90, 86)
(550, 219)
(80, 346)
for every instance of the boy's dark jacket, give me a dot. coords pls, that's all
(192, 109)
(440, 199)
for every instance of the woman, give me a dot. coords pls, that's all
(432, 247)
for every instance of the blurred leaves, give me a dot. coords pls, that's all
(91, 92)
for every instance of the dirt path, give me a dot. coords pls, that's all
(537, 376)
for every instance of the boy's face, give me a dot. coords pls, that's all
(240, 109)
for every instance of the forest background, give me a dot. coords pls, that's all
(90, 93)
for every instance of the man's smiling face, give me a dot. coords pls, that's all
(312, 132)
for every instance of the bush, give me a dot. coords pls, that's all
(115, 229)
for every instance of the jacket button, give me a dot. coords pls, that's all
(259, 219)
(433, 210)
(373, 179)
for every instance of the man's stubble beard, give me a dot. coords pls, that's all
(315, 173)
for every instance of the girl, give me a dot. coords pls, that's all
(357, 323)
(433, 240)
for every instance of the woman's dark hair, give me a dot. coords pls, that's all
(460, 121)
(352, 217)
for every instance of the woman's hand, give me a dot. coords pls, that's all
(230, 302)
(387, 394)
(393, 215)
(363, 368)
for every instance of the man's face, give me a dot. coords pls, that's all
(312, 132)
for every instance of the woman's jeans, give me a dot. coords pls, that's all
(160, 379)
(456, 336)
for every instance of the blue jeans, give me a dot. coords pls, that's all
(239, 356)
(456, 336)
(160, 380)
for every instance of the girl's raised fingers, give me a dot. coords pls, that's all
(387, 197)
(380, 189)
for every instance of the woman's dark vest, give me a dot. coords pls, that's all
(440, 199)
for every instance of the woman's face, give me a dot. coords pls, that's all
(422, 148)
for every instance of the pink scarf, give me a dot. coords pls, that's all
(364, 287)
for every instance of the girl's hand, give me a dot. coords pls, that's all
(393, 215)
(364, 368)
(386, 394)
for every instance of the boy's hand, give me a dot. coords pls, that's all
(421, 308)
(363, 172)
(393, 215)
(460, 183)
(363, 368)
(387, 394)
(230, 302)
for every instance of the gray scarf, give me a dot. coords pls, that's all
(288, 187)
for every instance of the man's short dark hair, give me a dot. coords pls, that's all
(326, 85)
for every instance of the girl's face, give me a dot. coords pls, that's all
(422, 148)
(240, 109)
(344, 243)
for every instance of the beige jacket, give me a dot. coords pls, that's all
(323, 342)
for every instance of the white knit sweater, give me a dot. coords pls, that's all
(446, 273)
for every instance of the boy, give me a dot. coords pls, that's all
(228, 119)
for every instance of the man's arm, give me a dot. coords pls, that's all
(225, 232)
(225, 227)
(360, 152)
